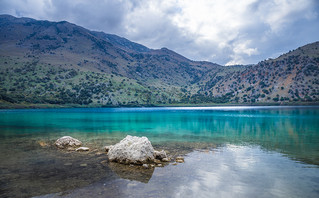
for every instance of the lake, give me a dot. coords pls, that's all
(229, 152)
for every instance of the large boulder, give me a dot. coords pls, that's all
(67, 141)
(132, 150)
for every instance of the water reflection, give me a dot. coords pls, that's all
(229, 171)
(238, 171)
(136, 173)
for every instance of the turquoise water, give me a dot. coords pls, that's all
(239, 151)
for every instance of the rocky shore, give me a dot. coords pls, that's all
(131, 151)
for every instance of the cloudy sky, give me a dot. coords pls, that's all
(220, 31)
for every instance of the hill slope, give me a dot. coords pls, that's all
(46, 62)
(291, 77)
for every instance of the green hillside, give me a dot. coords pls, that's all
(46, 63)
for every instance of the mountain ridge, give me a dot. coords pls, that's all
(61, 63)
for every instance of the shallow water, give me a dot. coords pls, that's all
(229, 151)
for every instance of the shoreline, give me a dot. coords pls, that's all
(66, 106)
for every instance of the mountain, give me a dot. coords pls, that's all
(60, 63)
(292, 77)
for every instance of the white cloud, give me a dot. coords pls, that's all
(226, 32)
(279, 13)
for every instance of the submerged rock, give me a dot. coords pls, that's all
(67, 141)
(132, 150)
(42, 143)
(83, 149)
(104, 162)
(68, 164)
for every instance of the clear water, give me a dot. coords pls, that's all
(229, 152)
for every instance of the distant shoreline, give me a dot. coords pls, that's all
(51, 106)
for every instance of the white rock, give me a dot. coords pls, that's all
(67, 141)
(83, 149)
(132, 150)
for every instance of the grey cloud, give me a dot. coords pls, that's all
(105, 15)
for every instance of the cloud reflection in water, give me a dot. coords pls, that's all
(240, 171)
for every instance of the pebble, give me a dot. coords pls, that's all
(42, 143)
(83, 165)
(68, 164)
(145, 166)
(157, 161)
(166, 159)
(179, 159)
(83, 149)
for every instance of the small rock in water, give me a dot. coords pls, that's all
(83, 165)
(159, 165)
(42, 143)
(160, 154)
(166, 159)
(179, 159)
(67, 141)
(83, 149)
(146, 166)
